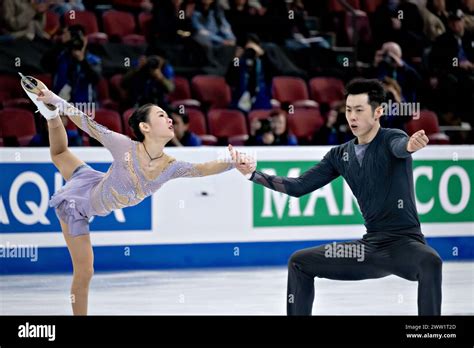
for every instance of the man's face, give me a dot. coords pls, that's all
(359, 114)
(278, 124)
(457, 26)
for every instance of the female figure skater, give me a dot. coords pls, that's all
(139, 168)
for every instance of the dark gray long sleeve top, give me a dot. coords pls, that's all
(382, 183)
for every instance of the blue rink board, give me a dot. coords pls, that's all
(175, 256)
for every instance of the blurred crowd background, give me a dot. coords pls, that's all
(248, 72)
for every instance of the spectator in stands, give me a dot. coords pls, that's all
(250, 79)
(150, 82)
(171, 21)
(467, 6)
(23, 19)
(393, 93)
(434, 25)
(214, 35)
(271, 131)
(257, 128)
(60, 42)
(407, 31)
(452, 64)
(243, 17)
(388, 62)
(182, 135)
(438, 8)
(279, 122)
(335, 130)
(64, 6)
(78, 71)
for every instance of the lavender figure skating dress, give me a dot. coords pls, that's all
(89, 192)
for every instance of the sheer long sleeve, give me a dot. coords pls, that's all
(311, 180)
(115, 142)
(189, 170)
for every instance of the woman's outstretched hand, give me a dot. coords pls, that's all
(244, 163)
(48, 97)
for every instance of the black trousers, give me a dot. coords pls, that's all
(376, 255)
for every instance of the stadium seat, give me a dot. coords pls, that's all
(228, 124)
(212, 91)
(85, 18)
(52, 23)
(335, 6)
(103, 96)
(363, 28)
(181, 94)
(326, 90)
(125, 116)
(258, 114)
(17, 124)
(116, 90)
(121, 25)
(197, 121)
(144, 21)
(428, 121)
(291, 90)
(304, 122)
(108, 118)
(370, 6)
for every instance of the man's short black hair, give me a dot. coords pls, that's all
(372, 87)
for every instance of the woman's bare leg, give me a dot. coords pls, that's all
(63, 159)
(80, 247)
(82, 255)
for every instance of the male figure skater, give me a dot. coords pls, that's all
(377, 165)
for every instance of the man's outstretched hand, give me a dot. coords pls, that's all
(244, 163)
(417, 141)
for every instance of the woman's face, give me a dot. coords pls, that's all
(159, 125)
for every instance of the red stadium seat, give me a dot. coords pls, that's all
(144, 20)
(258, 114)
(181, 94)
(197, 121)
(125, 116)
(370, 6)
(326, 90)
(10, 87)
(110, 119)
(85, 18)
(181, 89)
(116, 90)
(52, 24)
(97, 38)
(335, 6)
(212, 91)
(103, 96)
(304, 122)
(363, 29)
(119, 24)
(428, 121)
(225, 123)
(18, 124)
(292, 90)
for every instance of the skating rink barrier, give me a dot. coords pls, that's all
(222, 220)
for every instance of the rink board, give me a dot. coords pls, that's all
(222, 220)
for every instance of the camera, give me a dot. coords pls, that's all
(76, 42)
